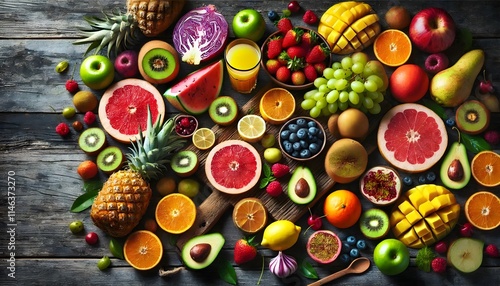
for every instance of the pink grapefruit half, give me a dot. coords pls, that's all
(412, 137)
(124, 108)
(233, 167)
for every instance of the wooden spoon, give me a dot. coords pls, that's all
(358, 265)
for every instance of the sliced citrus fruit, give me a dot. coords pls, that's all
(250, 215)
(277, 105)
(143, 250)
(203, 138)
(175, 213)
(482, 210)
(251, 127)
(485, 167)
(392, 47)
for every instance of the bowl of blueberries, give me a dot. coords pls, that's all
(302, 138)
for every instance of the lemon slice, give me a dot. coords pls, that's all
(251, 127)
(203, 138)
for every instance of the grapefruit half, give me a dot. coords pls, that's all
(412, 137)
(124, 108)
(233, 167)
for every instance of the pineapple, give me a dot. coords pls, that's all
(117, 29)
(125, 196)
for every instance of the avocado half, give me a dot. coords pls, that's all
(302, 187)
(214, 240)
(455, 171)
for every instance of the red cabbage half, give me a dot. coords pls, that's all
(200, 34)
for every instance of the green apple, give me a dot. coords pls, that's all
(97, 72)
(250, 24)
(466, 254)
(391, 256)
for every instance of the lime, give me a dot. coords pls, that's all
(189, 187)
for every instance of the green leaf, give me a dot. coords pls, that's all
(226, 271)
(84, 201)
(92, 185)
(267, 176)
(266, 170)
(475, 144)
(434, 106)
(307, 270)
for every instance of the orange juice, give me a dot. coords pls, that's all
(242, 61)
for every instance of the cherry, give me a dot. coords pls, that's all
(314, 222)
(294, 6)
(441, 247)
(467, 229)
(91, 238)
(485, 86)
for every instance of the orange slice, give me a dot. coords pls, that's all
(250, 215)
(251, 127)
(277, 105)
(143, 250)
(485, 167)
(175, 213)
(482, 210)
(392, 47)
(203, 138)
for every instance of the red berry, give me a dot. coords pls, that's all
(314, 222)
(185, 122)
(284, 24)
(441, 247)
(438, 265)
(244, 251)
(492, 251)
(274, 189)
(279, 170)
(467, 229)
(89, 117)
(294, 6)
(91, 238)
(310, 18)
(72, 86)
(62, 129)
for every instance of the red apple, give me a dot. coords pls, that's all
(432, 30)
(126, 63)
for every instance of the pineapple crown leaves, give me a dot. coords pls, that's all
(151, 153)
(113, 30)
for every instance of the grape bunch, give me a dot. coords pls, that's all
(345, 84)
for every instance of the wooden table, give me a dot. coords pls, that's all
(35, 239)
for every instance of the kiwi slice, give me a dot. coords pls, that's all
(472, 117)
(158, 63)
(92, 141)
(223, 110)
(374, 223)
(110, 159)
(184, 163)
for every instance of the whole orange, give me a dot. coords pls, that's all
(408, 83)
(87, 169)
(342, 208)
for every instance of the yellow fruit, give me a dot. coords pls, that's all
(349, 26)
(85, 100)
(280, 235)
(424, 215)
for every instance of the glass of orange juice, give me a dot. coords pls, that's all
(242, 58)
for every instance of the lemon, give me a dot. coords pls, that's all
(251, 127)
(203, 138)
(280, 235)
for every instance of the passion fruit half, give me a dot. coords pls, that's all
(381, 185)
(324, 246)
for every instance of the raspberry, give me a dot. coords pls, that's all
(279, 170)
(72, 86)
(310, 18)
(62, 129)
(274, 189)
(492, 251)
(438, 265)
(89, 117)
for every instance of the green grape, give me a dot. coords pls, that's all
(358, 68)
(320, 81)
(375, 109)
(372, 94)
(315, 112)
(348, 73)
(341, 84)
(331, 83)
(357, 86)
(332, 96)
(368, 103)
(343, 105)
(379, 98)
(324, 88)
(308, 104)
(336, 65)
(343, 96)
(346, 62)
(328, 73)
(325, 112)
(376, 79)
(339, 74)
(370, 85)
(310, 93)
(318, 95)
(353, 97)
(362, 108)
(321, 103)
(360, 58)
(332, 107)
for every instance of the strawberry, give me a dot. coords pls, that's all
(310, 18)
(318, 54)
(298, 77)
(272, 66)
(295, 64)
(274, 189)
(280, 170)
(310, 73)
(309, 39)
(292, 37)
(296, 52)
(319, 67)
(284, 25)
(72, 86)
(438, 264)
(274, 47)
(245, 250)
(283, 58)
(492, 251)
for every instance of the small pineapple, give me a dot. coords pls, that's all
(125, 196)
(118, 30)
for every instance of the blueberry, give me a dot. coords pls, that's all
(287, 146)
(320, 134)
(293, 137)
(421, 179)
(304, 144)
(305, 153)
(314, 148)
(312, 138)
(295, 154)
(450, 122)
(302, 133)
(361, 244)
(296, 146)
(346, 247)
(293, 127)
(351, 240)
(313, 131)
(311, 124)
(345, 258)
(407, 181)
(285, 134)
(354, 253)
(273, 16)
(431, 177)
(301, 122)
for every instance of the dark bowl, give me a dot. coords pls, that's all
(192, 119)
(290, 86)
(321, 144)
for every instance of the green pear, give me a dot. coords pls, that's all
(375, 67)
(452, 86)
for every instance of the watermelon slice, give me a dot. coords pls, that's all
(197, 90)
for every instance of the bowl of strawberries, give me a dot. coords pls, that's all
(294, 57)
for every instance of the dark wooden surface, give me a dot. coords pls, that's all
(34, 37)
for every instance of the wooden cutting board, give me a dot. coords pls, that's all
(217, 203)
